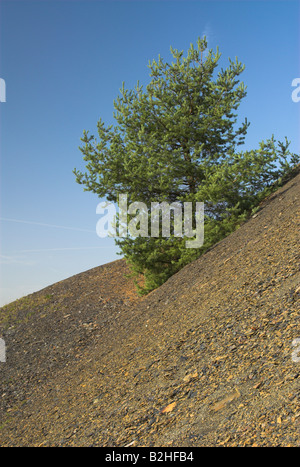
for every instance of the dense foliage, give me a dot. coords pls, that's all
(178, 140)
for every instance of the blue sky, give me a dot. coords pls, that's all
(64, 62)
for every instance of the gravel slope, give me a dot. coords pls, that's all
(205, 360)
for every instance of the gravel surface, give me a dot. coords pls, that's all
(205, 360)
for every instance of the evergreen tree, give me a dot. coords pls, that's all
(178, 140)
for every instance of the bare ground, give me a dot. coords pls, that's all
(205, 360)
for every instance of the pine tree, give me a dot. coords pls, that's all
(178, 140)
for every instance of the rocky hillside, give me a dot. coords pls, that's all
(205, 360)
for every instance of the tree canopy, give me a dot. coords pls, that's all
(178, 140)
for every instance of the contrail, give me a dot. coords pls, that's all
(67, 248)
(46, 225)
